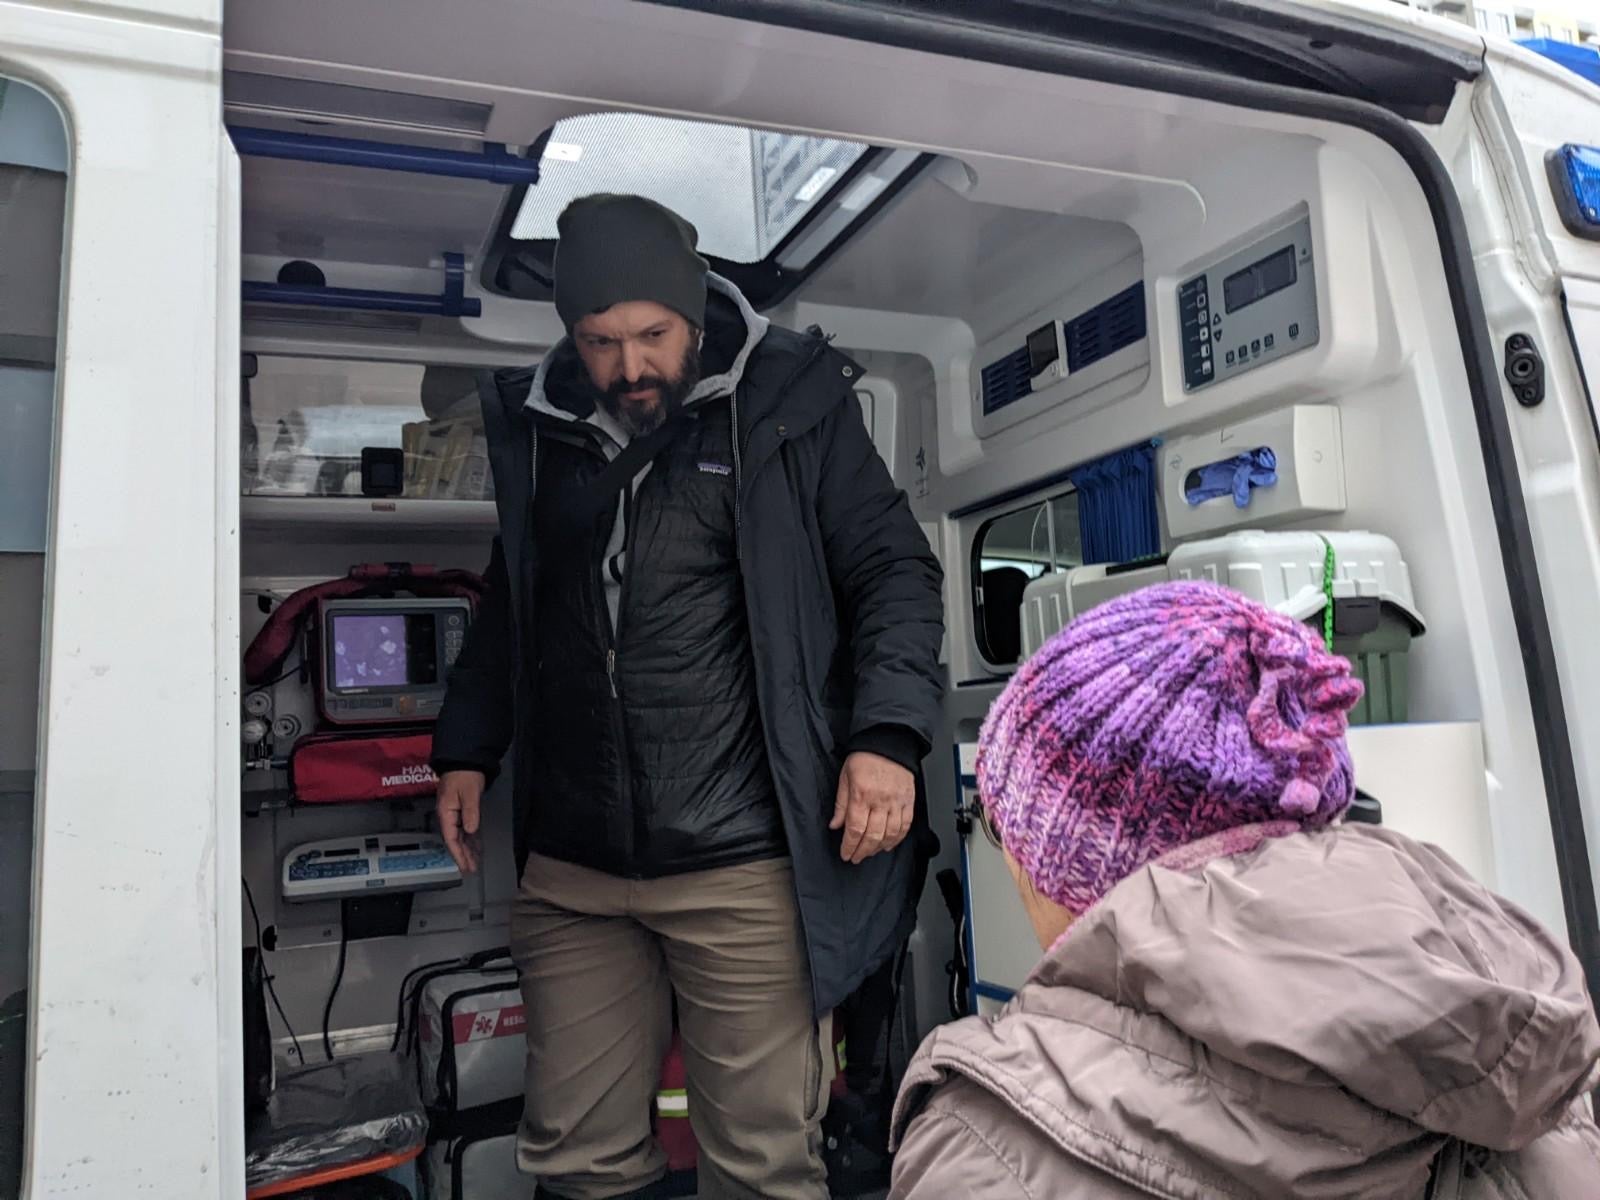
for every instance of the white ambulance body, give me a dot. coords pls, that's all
(242, 244)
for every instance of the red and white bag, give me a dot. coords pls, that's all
(480, 1164)
(470, 1036)
(351, 768)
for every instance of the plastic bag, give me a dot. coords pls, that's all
(334, 1114)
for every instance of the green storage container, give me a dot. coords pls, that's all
(1376, 644)
(1296, 571)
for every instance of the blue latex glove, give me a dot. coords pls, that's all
(1235, 476)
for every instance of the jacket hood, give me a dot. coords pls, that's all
(733, 330)
(1306, 1018)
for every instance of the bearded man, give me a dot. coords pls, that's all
(710, 647)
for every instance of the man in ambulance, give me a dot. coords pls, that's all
(710, 650)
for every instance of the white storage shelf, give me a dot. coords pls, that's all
(443, 516)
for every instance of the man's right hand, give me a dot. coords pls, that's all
(460, 800)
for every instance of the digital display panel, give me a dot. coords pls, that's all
(1042, 348)
(383, 650)
(1259, 279)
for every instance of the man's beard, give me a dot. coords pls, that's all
(639, 417)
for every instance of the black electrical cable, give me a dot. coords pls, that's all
(299, 667)
(338, 978)
(271, 991)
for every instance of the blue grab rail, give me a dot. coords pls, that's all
(495, 164)
(452, 302)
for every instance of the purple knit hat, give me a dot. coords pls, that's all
(1158, 719)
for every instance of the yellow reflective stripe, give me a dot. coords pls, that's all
(672, 1102)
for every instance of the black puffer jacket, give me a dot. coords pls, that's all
(650, 749)
(843, 603)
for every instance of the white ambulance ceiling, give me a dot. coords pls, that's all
(940, 254)
(506, 71)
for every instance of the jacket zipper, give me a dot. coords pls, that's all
(738, 478)
(622, 587)
(516, 585)
(619, 720)
(629, 525)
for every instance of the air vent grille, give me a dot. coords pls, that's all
(1006, 381)
(1110, 326)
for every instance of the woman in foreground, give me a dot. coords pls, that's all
(1240, 996)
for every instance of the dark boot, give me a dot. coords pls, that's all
(855, 1147)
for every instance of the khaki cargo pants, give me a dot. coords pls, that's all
(601, 958)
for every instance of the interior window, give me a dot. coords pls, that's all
(307, 421)
(744, 189)
(1010, 552)
(33, 189)
(770, 207)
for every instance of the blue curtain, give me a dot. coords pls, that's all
(1117, 514)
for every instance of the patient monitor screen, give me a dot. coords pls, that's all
(387, 660)
(384, 650)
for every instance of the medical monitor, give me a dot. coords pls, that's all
(386, 661)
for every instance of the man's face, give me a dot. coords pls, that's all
(643, 360)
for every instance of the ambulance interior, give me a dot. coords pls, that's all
(1080, 308)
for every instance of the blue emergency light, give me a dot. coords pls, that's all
(1580, 60)
(1575, 181)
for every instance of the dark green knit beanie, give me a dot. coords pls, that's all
(611, 249)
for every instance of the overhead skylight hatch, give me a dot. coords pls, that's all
(744, 189)
(770, 207)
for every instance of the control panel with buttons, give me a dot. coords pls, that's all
(1250, 308)
(350, 866)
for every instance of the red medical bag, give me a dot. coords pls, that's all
(348, 768)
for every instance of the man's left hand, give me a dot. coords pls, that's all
(876, 799)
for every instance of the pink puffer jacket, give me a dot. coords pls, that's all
(1314, 1017)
